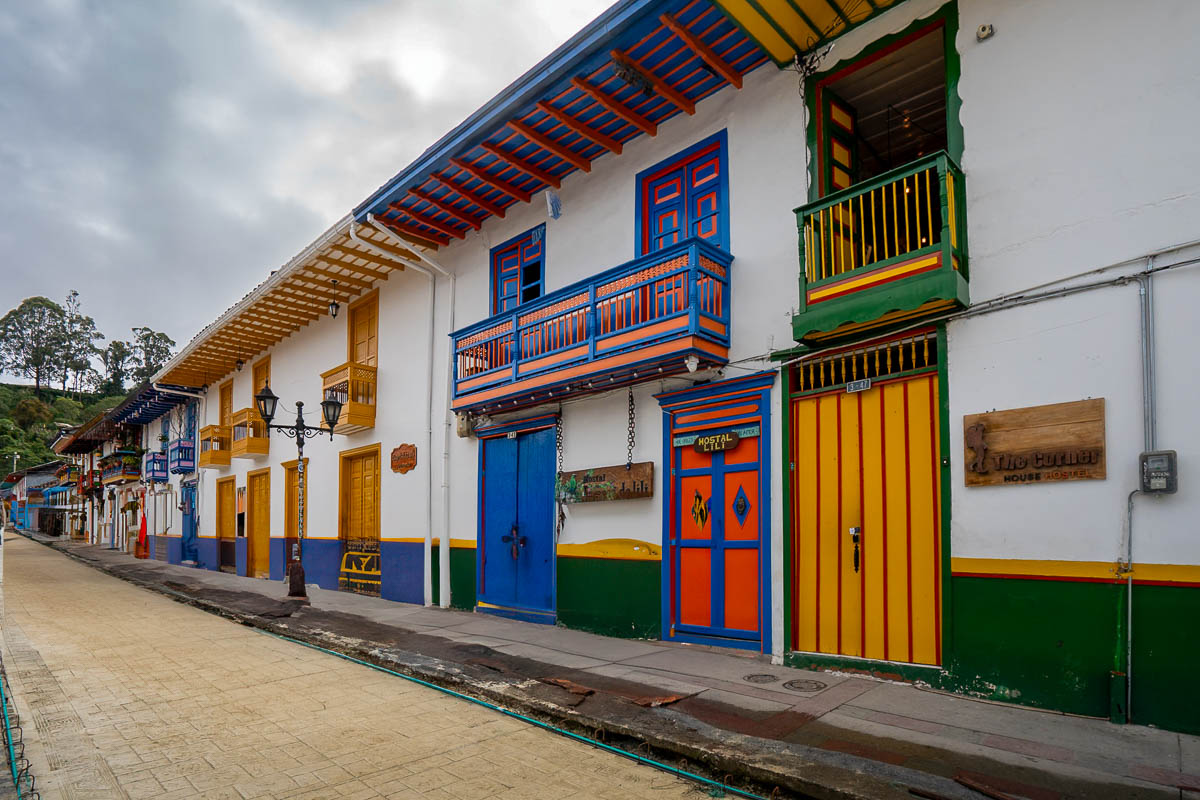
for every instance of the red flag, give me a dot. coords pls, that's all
(142, 531)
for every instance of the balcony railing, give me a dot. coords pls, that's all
(249, 434)
(116, 469)
(90, 479)
(154, 467)
(214, 446)
(355, 383)
(640, 320)
(887, 249)
(181, 456)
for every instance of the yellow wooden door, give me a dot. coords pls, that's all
(259, 535)
(868, 461)
(364, 325)
(360, 497)
(291, 501)
(226, 519)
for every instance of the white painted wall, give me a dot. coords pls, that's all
(1080, 152)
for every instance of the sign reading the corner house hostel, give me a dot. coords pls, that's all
(1040, 444)
(606, 483)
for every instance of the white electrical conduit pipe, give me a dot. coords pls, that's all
(444, 538)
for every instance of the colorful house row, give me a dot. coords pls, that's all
(854, 334)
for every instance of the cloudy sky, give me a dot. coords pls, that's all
(163, 156)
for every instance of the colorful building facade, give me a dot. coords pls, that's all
(830, 331)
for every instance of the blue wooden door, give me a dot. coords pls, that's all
(187, 496)
(517, 557)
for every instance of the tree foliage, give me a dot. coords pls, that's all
(151, 351)
(31, 337)
(117, 358)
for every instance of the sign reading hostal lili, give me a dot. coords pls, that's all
(404, 458)
(1059, 442)
(606, 483)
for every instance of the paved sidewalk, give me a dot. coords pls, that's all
(815, 733)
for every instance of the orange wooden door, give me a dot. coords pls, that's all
(364, 326)
(262, 374)
(360, 497)
(226, 404)
(259, 535)
(226, 513)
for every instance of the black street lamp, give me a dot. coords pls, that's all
(331, 409)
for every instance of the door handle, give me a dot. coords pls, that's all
(855, 536)
(521, 540)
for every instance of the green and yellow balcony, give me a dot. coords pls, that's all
(214, 446)
(885, 251)
(354, 384)
(248, 434)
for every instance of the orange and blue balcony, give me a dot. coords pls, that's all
(883, 252)
(659, 314)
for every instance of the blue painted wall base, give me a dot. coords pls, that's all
(206, 553)
(239, 559)
(402, 568)
(174, 549)
(322, 560)
(278, 548)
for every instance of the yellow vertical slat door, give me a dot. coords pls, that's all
(866, 465)
(360, 497)
(364, 325)
(226, 514)
(259, 535)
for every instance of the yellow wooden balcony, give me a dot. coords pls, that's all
(214, 446)
(249, 434)
(355, 385)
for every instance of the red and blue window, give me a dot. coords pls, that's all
(518, 270)
(687, 195)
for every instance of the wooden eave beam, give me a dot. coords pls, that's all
(665, 90)
(373, 274)
(453, 211)
(373, 259)
(313, 306)
(322, 292)
(391, 250)
(467, 194)
(521, 165)
(349, 280)
(582, 128)
(546, 143)
(702, 50)
(269, 327)
(411, 234)
(448, 230)
(615, 106)
(490, 180)
(269, 309)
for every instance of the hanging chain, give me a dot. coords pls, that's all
(558, 444)
(632, 432)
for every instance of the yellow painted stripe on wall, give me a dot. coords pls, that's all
(759, 28)
(623, 549)
(1078, 570)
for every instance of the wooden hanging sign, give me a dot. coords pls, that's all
(1039, 444)
(606, 483)
(404, 458)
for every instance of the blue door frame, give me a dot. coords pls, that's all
(740, 404)
(515, 569)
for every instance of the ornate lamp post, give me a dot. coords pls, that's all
(331, 409)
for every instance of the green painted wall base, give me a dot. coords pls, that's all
(1166, 650)
(613, 597)
(462, 577)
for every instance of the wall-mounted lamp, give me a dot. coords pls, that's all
(333, 304)
(239, 364)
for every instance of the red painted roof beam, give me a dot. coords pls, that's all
(704, 51)
(665, 90)
(615, 106)
(582, 128)
(522, 165)
(414, 235)
(491, 180)
(454, 211)
(467, 194)
(430, 221)
(548, 144)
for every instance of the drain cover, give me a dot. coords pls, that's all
(804, 686)
(760, 677)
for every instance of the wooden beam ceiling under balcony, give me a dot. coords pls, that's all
(341, 277)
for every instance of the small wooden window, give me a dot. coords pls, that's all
(362, 336)
(226, 407)
(518, 270)
(262, 376)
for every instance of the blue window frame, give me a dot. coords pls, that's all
(191, 422)
(164, 433)
(686, 195)
(519, 270)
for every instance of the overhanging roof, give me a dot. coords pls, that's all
(334, 267)
(788, 28)
(634, 67)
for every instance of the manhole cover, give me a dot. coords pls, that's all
(760, 677)
(804, 686)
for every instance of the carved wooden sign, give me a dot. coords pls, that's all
(606, 483)
(404, 458)
(1039, 444)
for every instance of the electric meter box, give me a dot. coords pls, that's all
(1160, 472)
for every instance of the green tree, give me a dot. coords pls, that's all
(30, 411)
(67, 410)
(118, 361)
(79, 345)
(151, 351)
(31, 336)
